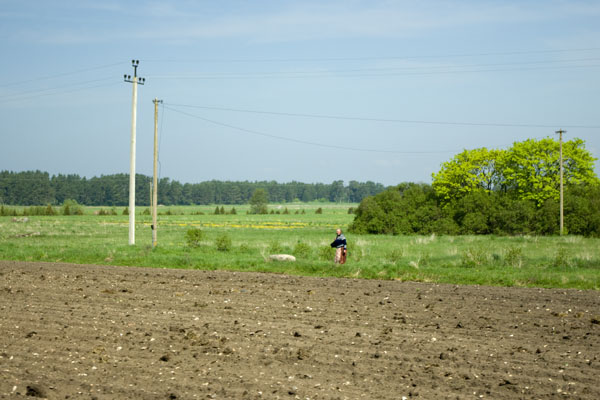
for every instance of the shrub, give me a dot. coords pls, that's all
(71, 207)
(274, 247)
(351, 210)
(102, 211)
(561, 258)
(258, 202)
(39, 210)
(193, 237)
(233, 211)
(326, 253)
(217, 211)
(126, 211)
(244, 248)
(319, 211)
(302, 250)
(395, 255)
(286, 211)
(5, 211)
(223, 242)
(514, 257)
(474, 257)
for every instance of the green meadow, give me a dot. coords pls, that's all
(243, 242)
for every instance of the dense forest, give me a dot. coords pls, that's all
(39, 188)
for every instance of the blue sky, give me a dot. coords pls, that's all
(312, 91)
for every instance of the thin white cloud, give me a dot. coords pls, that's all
(296, 21)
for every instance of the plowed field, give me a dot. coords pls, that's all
(98, 332)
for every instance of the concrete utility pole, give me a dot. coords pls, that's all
(562, 224)
(155, 178)
(135, 81)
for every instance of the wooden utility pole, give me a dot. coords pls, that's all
(135, 80)
(155, 177)
(562, 224)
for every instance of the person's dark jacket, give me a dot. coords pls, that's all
(340, 241)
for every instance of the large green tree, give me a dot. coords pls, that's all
(530, 170)
(259, 201)
(468, 171)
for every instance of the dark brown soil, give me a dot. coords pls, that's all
(97, 332)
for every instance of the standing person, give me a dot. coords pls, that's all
(340, 247)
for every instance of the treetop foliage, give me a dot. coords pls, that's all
(530, 170)
(39, 188)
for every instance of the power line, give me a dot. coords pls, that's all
(380, 69)
(368, 58)
(60, 74)
(17, 98)
(258, 133)
(328, 74)
(392, 120)
(41, 91)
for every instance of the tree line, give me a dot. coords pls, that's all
(481, 191)
(31, 188)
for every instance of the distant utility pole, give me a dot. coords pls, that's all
(134, 80)
(562, 224)
(155, 178)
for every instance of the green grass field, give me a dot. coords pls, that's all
(533, 261)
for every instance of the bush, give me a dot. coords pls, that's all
(326, 253)
(351, 210)
(223, 242)
(302, 250)
(71, 207)
(404, 209)
(395, 255)
(7, 212)
(39, 210)
(126, 211)
(514, 257)
(474, 258)
(193, 237)
(258, 202)
(319, 211)
(561, 259)
(274, 247)
(107, 212)
(244, 248)
(233, 211)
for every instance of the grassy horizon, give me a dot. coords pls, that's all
(527, 261)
